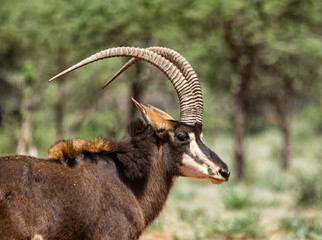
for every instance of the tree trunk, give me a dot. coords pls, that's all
(30, 98)
(136, 91)
(60, 110)
(240, 48)
(284, 103)
(285, 124)
(24, 135)
(240, 121)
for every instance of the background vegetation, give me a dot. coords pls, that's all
(260, 67)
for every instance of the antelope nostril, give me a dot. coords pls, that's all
(224, 173)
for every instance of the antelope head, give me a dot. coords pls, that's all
(185, 135)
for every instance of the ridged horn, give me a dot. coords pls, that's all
(188, 112)
(184, 66)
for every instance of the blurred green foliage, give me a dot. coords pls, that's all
(237, 198)
(309, 189)
(40, 38)
(302, 228)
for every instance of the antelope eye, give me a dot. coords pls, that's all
(183, 136)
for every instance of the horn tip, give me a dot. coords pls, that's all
(108, 83)
(52, 79)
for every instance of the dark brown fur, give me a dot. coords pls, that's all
(95, 189)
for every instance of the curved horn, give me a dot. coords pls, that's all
(187, 101)
(184, 66)
(188, 72)
(127, 65)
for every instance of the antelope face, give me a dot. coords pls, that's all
(197, 160)
(184, 142)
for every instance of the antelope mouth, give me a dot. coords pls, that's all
(217, 181)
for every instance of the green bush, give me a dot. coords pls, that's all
(237, 198)
(205, 228)
(302, 228)
(242, 227)
(309, 189)
(273, 178)
(191, 215)
(313, 114)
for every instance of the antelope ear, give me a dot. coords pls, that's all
(156, 118)
(161, 113)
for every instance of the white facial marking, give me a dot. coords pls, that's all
(198, 168)
(37, 237)
(191, 168)
(195, 150)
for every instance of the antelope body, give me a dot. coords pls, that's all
(104, 189)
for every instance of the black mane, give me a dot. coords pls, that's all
(133, 162)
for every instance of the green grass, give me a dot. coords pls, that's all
(270, 204)
(302, 228)
(236, 198)
(309, 192)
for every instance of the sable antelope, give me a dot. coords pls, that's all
(104, 189)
